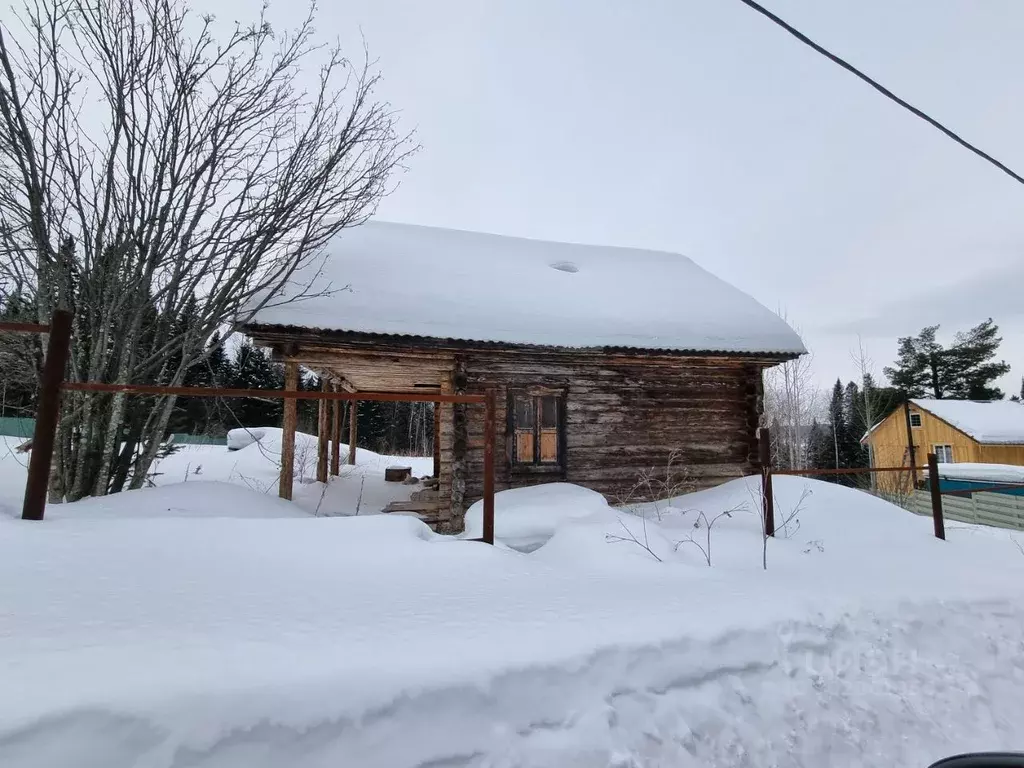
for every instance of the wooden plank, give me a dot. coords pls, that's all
(323, 435)
(291, 383)
(336, 407)
(285, 394)
(437, 440)
(353, 431)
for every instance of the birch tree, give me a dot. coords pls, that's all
(791, 402)
(157, 176)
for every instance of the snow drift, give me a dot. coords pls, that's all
(370, 641)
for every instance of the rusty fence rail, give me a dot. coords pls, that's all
(767, 471)
(24, 328)
(52, 384)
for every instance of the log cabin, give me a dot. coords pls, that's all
(607, 363)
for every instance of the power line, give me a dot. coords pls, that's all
(882, 89)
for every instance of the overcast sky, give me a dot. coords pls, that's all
(697, 126)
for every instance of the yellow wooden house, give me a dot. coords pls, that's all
(956, 431)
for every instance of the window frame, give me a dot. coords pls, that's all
(915, 415)
(535, 394)
(943, 450)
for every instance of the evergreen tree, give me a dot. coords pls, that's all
(853, 453)
(819, 447)
(253, 369)
(920, 367)
(966, 370)
(17, 372)
(972, 366)
(837, 426)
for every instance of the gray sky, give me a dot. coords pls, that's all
(697, 126)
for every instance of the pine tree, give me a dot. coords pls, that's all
(819, 447)
(972, 366)
(853, 453)
(920, 367)
(966, 370)
(837, 426)
(253, 369)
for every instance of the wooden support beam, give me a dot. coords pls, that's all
(767, 494)
(437, 439)
(910, 445)
(323, 435)
(353, 427)
(490, 427)
(336, 407)
(291, 383)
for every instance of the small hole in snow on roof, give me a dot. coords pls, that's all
(565, 266)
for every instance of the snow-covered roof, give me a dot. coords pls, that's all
(441, 283)
(998, 421)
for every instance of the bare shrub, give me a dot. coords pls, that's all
(708, 525)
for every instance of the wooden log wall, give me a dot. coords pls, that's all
(623, 415)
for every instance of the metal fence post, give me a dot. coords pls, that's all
(58, 346)
(489, 427)
(933, 484)
(764, 448)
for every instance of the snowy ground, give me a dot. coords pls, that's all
(263, 639)
(358, 489)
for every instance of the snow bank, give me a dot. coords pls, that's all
(195, 499)
(994, 422)
(370, 641)
(992, 473)
(440, 283)
(244, 436)
(525, 518)
(255, 461)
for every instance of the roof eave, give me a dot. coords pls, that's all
(268, 332)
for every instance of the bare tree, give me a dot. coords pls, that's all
(873, 403)
(791, 401)
(158, 180)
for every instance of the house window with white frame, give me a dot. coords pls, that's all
(944, 453)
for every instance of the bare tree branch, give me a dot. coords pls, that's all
(158, 180)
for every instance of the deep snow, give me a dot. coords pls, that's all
(370, 641)
(440, 283)
(358, 489)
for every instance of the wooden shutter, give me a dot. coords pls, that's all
(548, 410)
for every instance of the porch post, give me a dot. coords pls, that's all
(336, 406)
(322, 434)
(291, 383)
(353, 426)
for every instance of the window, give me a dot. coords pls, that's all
(915, 419)
(944, 453)
(536, 429)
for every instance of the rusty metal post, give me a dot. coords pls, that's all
(933, 484)
(353, 430)
(336, 407)
(764, 449)
(489, 427)
(58, 346)
(910, 446)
